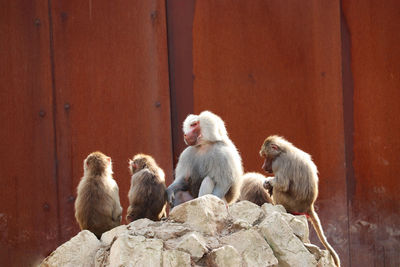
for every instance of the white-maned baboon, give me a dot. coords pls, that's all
(210, 164)
(97, 206)
(147, 195)
(295, 182)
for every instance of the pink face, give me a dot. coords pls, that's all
(191, 137)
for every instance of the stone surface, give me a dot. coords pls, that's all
(225, 256)
(269, 208)
(246, 211)
(194, 244)
(176, 258)
(130, 250)
(287, 247)
(252, 247)
(201, 232)
(206, 214)
(299, 226)
(78, 251)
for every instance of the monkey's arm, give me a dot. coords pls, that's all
(117, 209)
(279, 183)
(177, 185)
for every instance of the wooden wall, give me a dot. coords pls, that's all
(120, 77)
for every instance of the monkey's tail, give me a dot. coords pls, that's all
(318, 228)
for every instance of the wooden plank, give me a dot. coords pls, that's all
(274, 67)
(375, 195)
(28, 194)
(112, 88)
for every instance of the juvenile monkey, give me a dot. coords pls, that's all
(295, 184)
(147, 195)
(210, 164)
(253, 189)
(97, 206)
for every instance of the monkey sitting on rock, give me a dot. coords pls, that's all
(97, 206)
(295, 182)
(147, 195)
(210, 164)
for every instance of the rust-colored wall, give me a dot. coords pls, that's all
(28, 199)
(76, 77)
(111, 77)
(274, 67)
(374, 196)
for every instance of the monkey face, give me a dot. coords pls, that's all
(267, 166)
(193, 135)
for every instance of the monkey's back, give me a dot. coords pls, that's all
(147, 196)
(252, 189)
(302, 174)
(94, 204)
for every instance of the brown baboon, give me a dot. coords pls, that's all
(295, 181)
(211, 163)
(253, 189)
(97, 206)
(147, 195)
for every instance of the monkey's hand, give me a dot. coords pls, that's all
(268, 186)
(171, 197)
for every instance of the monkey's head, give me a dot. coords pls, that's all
(97, 164)
(203, 128)
(270, 150)
(141, 161)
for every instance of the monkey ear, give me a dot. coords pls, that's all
(108, 159)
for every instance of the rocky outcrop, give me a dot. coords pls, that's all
(201, 232)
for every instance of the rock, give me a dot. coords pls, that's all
(269, 208)
(176, 258)
(225, 256)
(108, 237)
(194, 244)
(287, 247)
(323, 257)
(206, 214)
(246, 211)
(79, 251)
(130, 250)
(299, 226)
(201, 232)
(252, 247)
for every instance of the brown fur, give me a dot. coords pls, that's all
(97, 206)
(295, 185)
(147, 196)
(253, 189)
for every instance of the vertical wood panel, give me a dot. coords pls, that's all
(374, 34)
(28, 200)
(274, 67)
(111, 78)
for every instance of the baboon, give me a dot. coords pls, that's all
(211, 161)
(97, 206)
(295, 182)
(147, 195)
(253, 189)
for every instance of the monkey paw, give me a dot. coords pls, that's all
(268, 186)
(170, 197)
